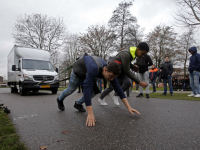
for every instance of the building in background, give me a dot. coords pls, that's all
(1, 79)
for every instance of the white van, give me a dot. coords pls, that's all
(29, 69)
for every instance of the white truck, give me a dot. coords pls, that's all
(29, 69)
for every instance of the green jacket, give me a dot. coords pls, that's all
(126, 57)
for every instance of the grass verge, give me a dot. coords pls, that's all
(9, 140)
(176, 96)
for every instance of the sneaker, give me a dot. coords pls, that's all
(154, 92)
(140, 95)
(79, 92)
(79, 107)
(147, 95)
(102, 102)
(172, 94)
(198, 95)
(164, 94)
(60, 105)
(115, 99)
(191, 95)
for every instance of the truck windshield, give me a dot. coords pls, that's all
(36, 64)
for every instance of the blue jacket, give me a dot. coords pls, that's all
(194, 60)
(92, 74)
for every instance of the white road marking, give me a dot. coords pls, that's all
(25, 116)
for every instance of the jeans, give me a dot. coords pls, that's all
(153, 82)
(194, 82)
(169, 80)
(99, 84)
(74, 82)
(144, 77)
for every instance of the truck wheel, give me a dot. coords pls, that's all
(35, 91)
(12, 90)
(15, 90)
(54, 91)
(22, 91)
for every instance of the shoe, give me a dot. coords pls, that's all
(164, 94)
(154, 92)
(102, 102)
(60, 105)
(79, 92)
(198, 95)
(140, 95)
(136, 91)
(115, 99)
(147, 95)
(191, 95)
(79, 107)
(127, 96)
(172, 94)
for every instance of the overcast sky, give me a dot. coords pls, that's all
(78, 15)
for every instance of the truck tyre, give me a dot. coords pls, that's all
(54, 91)
(22, 91)
(35, 91)
(12, 90)
(15, 90)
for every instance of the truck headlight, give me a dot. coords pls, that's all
(27, 77)
(56, 78)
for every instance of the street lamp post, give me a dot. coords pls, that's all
(162, 37)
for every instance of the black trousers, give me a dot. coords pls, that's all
(123, 80)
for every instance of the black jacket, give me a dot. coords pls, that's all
(143, 63)
(167, 68)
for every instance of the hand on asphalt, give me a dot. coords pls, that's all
(143, 84)
(131, 110)
(90, 120)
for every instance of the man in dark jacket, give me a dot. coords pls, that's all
(181, 83)
(143, 64)
(194, 71)
(124, 58)
(88, 69)
(152, 76)
(166, 72)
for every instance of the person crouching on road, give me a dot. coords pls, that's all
(124, 58)
(88, 69)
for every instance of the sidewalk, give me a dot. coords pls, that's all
(168, 91)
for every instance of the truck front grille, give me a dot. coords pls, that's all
(43, 77)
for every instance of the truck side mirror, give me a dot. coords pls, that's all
(57, 70)
(13, 67)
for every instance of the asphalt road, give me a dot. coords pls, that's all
(163, 124)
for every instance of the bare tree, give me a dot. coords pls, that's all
(188, 13)
(71, 51)
(121, 21)
(186, 41)
(170, 45)
(40, 31)
(98, 41)
(135, 36)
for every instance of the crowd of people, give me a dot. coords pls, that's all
(89, 71)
